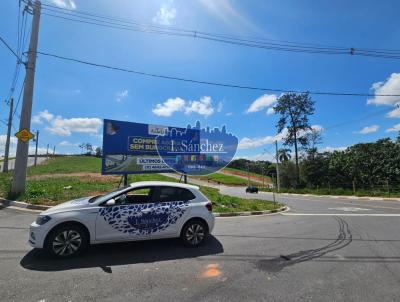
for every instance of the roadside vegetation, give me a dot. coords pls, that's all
(226, 179)
(70, 177)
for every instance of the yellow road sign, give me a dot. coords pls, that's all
(24, 135)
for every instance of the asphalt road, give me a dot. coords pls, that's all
(322, 250)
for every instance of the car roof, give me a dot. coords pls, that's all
(163, 183)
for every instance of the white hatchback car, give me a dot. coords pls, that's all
(140, 211)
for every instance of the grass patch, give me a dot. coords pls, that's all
(339, 192)
(55, 190)
(226, 179)
(45, 187)
(224, 203)
(244, 173)
(67, 164)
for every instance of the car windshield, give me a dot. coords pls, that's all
(108, 196)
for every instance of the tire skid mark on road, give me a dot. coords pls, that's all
(277, 264)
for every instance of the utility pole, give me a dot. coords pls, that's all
(248, 175)
(9, 124)
(37, 142)
(262, 173)
(21, 160)
(278, 182)
(54, 150)
(47, 151)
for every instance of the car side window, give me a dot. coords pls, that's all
(173, 194)
(136, 195)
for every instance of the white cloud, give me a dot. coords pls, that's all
(203, 106)
(40, 150)
(122, 95)
(65, 127)
(394, 113)
(317, 128)
(260, 156)
(67, 144)
(229, 113)
(332, 149)
(262, 102)
(368, 129)
(3, 138)
(270, 110)
(227, 13)
(220, 106)
(395, 128)
(250, 143)
(169, 107)
(166, 14)
(390, 86)
(42, 115)
(69, 4)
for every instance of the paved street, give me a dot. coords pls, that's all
(322, 250)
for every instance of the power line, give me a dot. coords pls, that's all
(10, 49)
(288, 46)
(209, 82)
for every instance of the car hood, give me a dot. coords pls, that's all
(69, 205)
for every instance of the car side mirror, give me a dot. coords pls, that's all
(110, 202)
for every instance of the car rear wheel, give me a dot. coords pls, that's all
(194, 233)
(66, 241)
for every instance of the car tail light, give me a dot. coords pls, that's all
(209, 206)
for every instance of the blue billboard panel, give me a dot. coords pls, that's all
(143, 148)
(196, 150)
(130, 148)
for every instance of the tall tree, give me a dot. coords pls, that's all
(294, 110)
(313, 139)
(284, 154)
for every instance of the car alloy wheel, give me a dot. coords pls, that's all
(195, 233)
(66, 243)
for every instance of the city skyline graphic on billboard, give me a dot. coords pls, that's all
(133, 148)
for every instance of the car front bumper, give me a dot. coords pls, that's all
(37, 235)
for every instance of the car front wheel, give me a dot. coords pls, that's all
(194, 233)
(66, 241)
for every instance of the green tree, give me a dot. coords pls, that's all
(313, 139)
(284, 154)
(99, 152)
(294, 110)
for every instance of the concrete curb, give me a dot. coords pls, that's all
(338, 196)
(19, 205)
(23, 205)
(252, 213)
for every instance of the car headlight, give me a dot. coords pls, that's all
(42, 219)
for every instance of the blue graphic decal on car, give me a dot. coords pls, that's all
(135, 219)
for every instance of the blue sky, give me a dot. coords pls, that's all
(71, 99)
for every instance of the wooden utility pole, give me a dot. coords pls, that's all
(278, 181)
(7, 149)
(37, 142)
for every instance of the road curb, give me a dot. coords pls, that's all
(252, 213)
(338, 196)
(21, 206)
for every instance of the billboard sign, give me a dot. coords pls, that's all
(144, 148)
